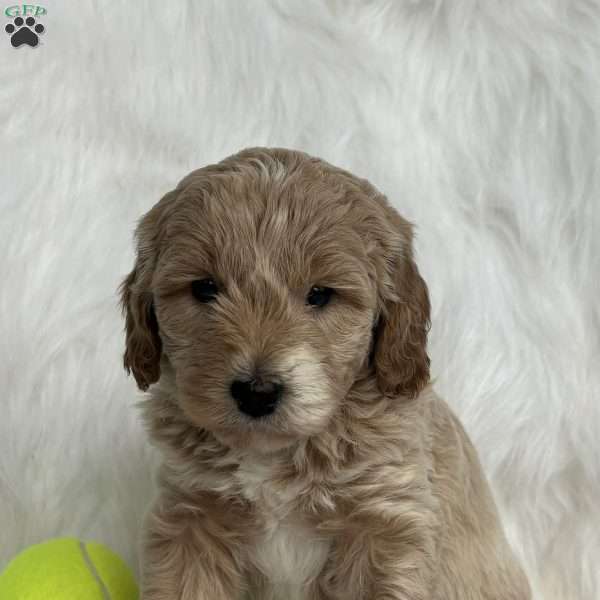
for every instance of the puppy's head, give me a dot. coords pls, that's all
(266, 285)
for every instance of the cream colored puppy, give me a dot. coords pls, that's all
(277, 310)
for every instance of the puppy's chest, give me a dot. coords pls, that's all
(286, 550)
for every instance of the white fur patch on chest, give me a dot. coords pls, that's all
(290, 557)
(288, 553)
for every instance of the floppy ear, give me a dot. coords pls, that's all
(399, 353)
(142, 342)
(143, 347)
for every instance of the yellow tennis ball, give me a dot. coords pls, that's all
(67, 568)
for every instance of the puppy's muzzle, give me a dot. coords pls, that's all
(256, 397)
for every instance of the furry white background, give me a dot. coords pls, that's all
(479, 119)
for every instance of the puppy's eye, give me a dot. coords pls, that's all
(204, 290)
(319, 296)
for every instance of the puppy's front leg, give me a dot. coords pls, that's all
(383, 561)
(191, 550)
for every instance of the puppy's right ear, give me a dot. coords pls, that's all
(142, 342)
(143, 346)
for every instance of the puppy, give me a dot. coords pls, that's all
(276, 310)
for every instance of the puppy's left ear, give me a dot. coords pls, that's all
(400, 349)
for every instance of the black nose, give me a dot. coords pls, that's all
(256, 398)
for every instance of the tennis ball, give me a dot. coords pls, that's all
(67, 568)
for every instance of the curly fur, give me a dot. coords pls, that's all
(362, 484)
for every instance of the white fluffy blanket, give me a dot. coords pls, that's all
(480, 119)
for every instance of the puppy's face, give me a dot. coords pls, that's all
(266, 284)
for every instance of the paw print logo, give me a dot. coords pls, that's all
(24, 32)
